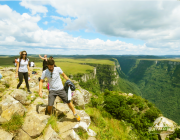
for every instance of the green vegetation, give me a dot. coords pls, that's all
(82, 134)
(53, 122)
(132, 113)
(158, 82)
(14, 124)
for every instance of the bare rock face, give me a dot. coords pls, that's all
(40, 101)
(10, 106)
(70, 135)
(50, 134)
(22, 136)
(84, 117)
(78, 99)
(21, 96)
(5, 135)
(86, 96)
(34, 124)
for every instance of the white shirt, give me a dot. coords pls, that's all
(55, 83)
(23, 65)
(32, 64)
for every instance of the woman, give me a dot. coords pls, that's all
(44, 62)
(22, 69)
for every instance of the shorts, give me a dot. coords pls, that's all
(52, 96)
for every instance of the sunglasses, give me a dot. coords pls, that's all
(51, 74)
(24, 54)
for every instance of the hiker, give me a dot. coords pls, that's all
(56, 87)
(51, 58)
(32, 64)
(22, 69)
(15, 62)
(44, 62)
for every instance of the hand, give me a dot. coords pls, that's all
(29, 73)
(16, 75)
(40, 93)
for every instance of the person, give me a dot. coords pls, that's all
(32, 64)
(44, 62)
(56, 87)
(51, 58)
(22, 69)
(15, 62)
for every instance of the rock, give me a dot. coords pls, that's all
(22, 136)
(2, 120)
(50, 134)
(86, 96)
(91, 138)
(84, 117)
(40, 101)
(34, 124)
(5, 135)
(81, 125)
(10, 106)
(78, 99)
(91, 133)
(62, 107)
(130, 94)
(32, 84)
(70, 135)
(21, 96)
(67, 123)
(35, 89)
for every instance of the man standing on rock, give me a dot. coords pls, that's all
(56, 87)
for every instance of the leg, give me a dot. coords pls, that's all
(20, 75)
(51, 98)
(26, 80)
(71, 107)
(49, 109)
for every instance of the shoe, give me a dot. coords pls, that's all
(77, 117)
(29, 92)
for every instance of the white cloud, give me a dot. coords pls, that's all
(158, 27)
(46, 22)
(35, 8)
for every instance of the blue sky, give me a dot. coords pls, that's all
(90, 27)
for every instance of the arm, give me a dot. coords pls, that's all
(28, 69)
(40, 87)
(42, 57)
(64, 76)
(17, 68)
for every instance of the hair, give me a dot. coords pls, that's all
(50, 62)
(50, 57)
(21, 56)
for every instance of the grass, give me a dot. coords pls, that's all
(14, 124)
(108, 128)
(82, 134)
(53, 122)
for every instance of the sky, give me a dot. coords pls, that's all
(90, 27)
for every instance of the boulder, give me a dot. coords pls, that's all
(81, 125)
(91, 133)
(50, 134)
(22, 136)
(21, 96)
(5, 135)
(62, 107)
(70, 135)
(84, 117)
(86, 96)
(32, 84)
(34, 124)
(91, 138)
(40, 101)
(2, 120)
(10, 106)
(78, 99)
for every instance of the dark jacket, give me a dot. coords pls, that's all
(72, 86)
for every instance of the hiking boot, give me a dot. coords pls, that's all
(29, 92)
(77, 117)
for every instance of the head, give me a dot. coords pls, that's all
(50, 64)
(45, 56)
(51, 58)
(23, 55)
